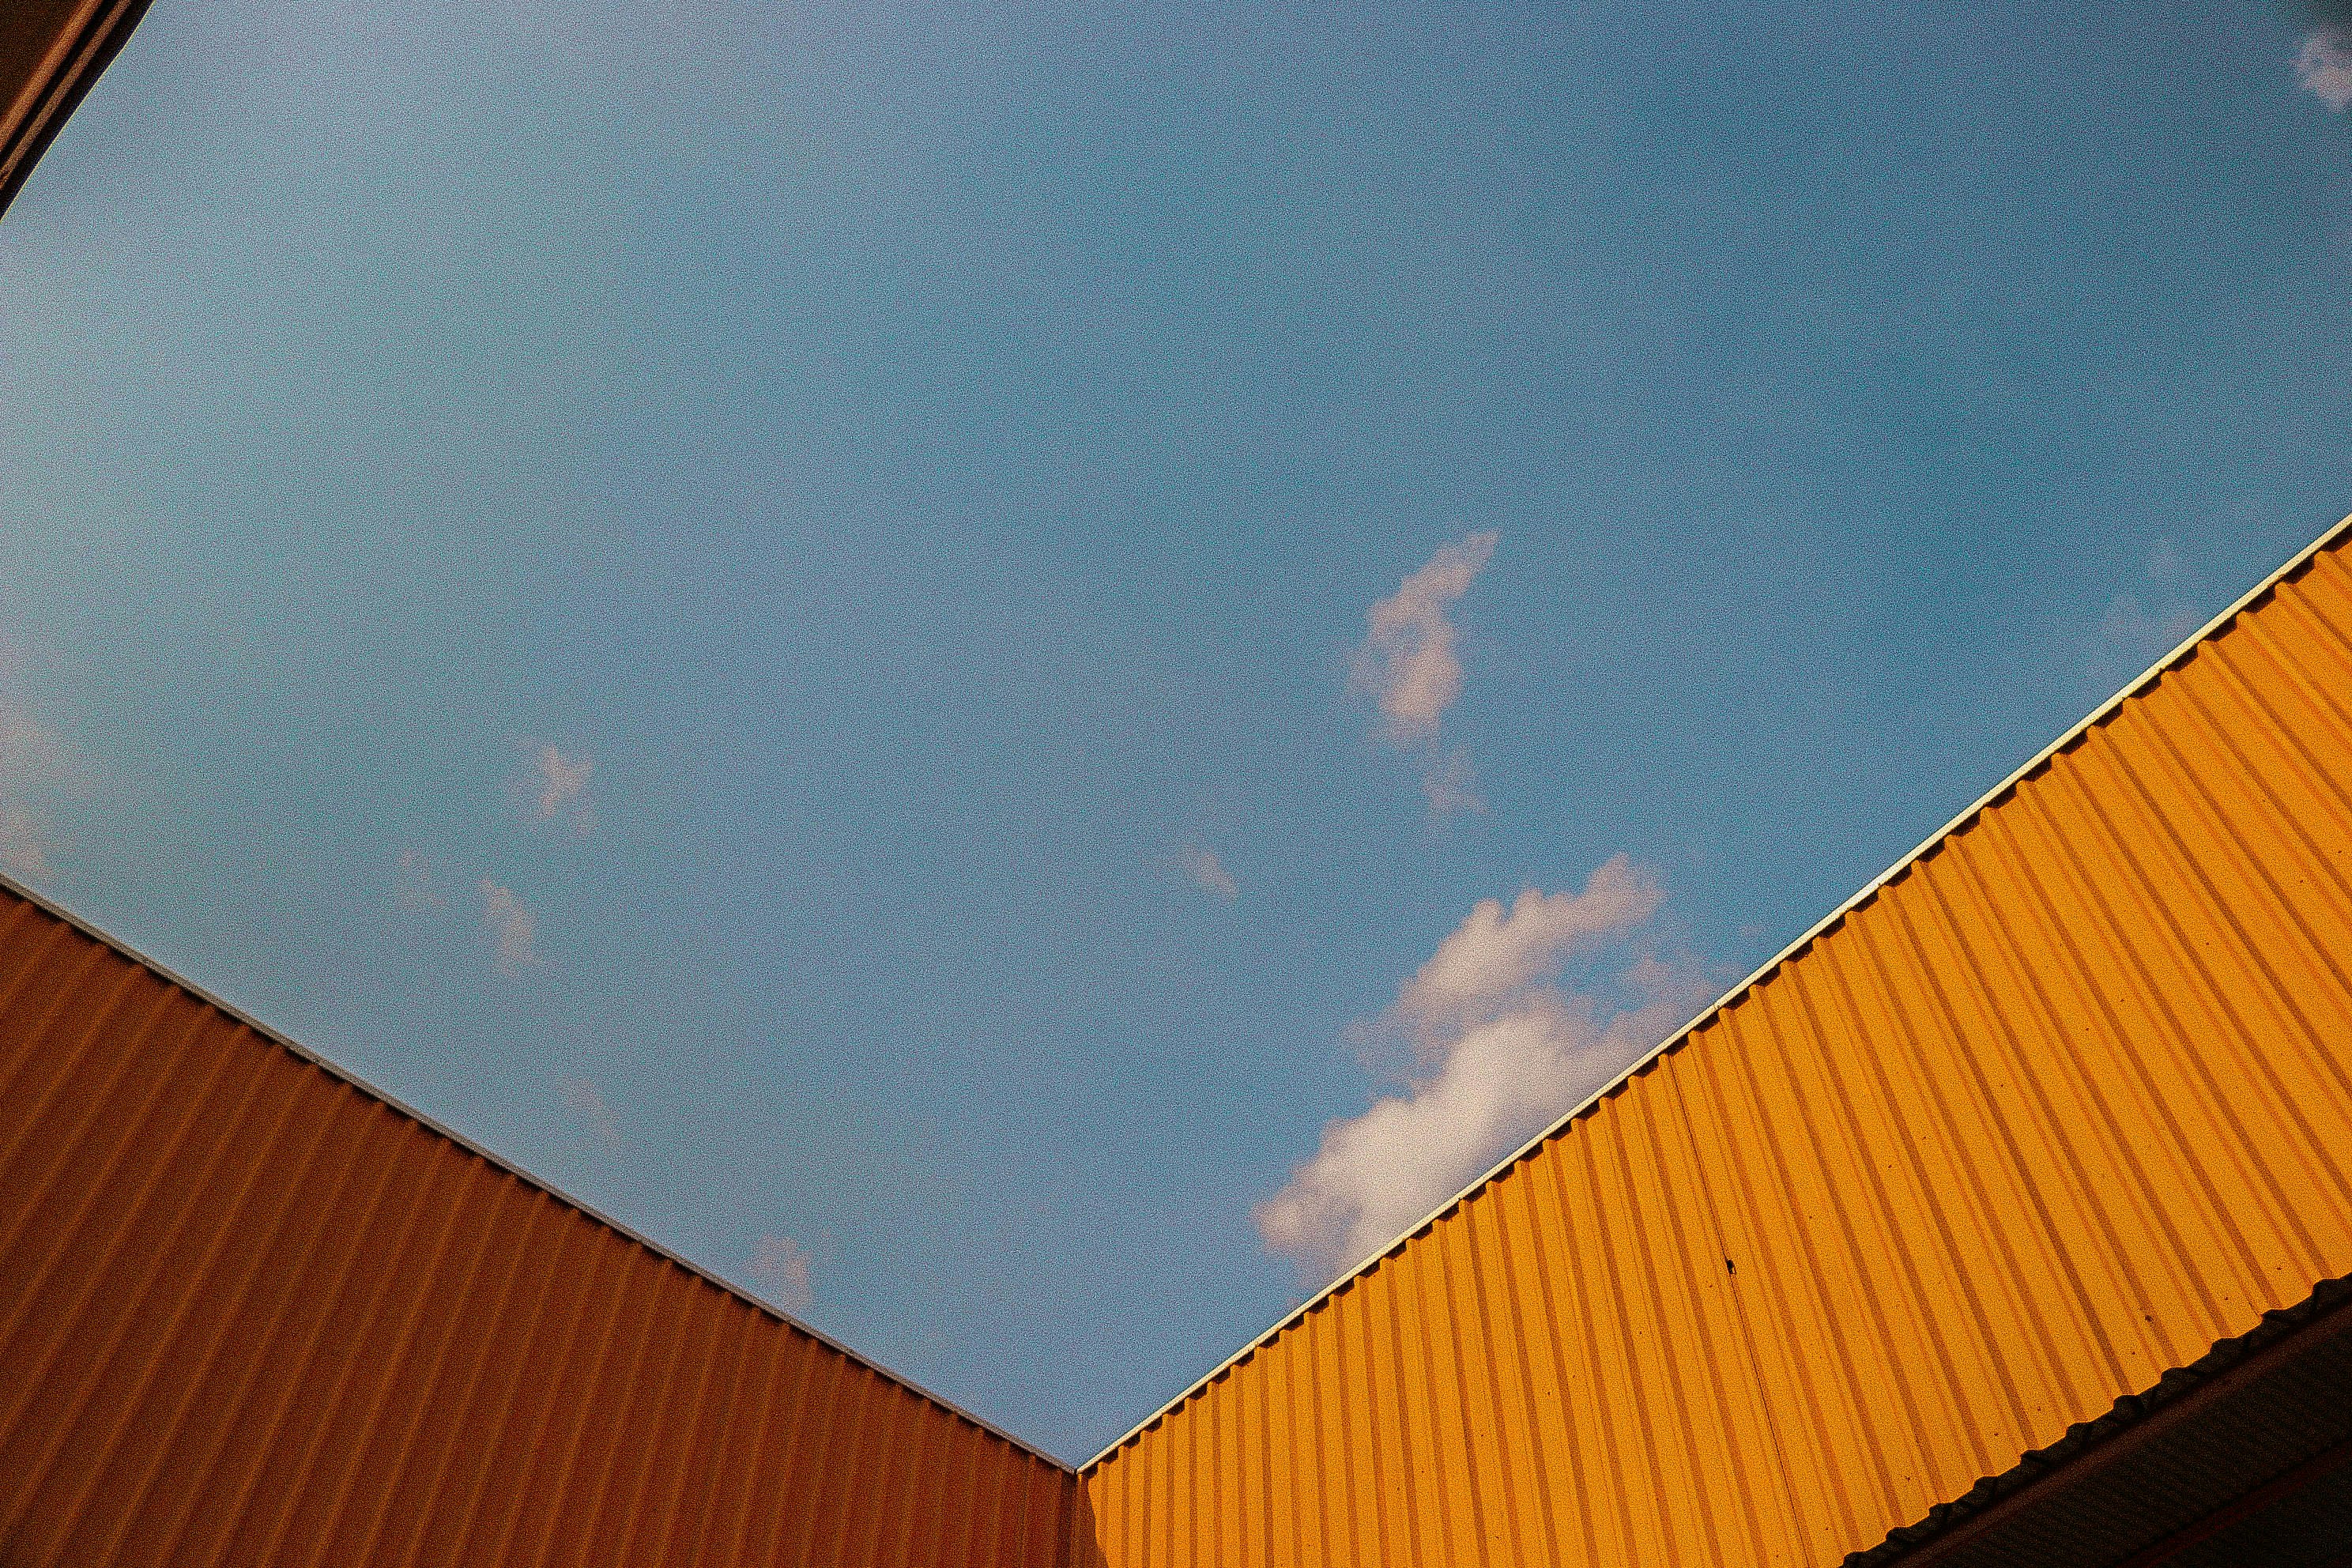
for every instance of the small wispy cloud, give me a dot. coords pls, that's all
(558, 788)
(414, 885)
(1209, 873)
(1409, 665)
(33, 764)
(2324, 66)
(513, 929)
(779, 1267)
(1497, 1047)
(1450, 785)
(586, 1104)
(2144, 622)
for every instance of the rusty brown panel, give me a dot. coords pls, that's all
(252, 1312)
(2052, 1109)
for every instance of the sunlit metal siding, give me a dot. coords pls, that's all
(252, 1314)
(2059, 1104)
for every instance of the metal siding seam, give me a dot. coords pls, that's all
(367, 1407)
(74, 1328)
(895, 1497)
(1600, 1392)
(458, 1414)
(1875, 1229)
(1501, 1411)
(1692, 1289)
(1956, 1310)
(635, 1439)
(1332, 1433)
(1379, 1519)
(868, 1437)
(233, 1338)
(1816, 1501)
(815, 1386)
(1526, 1273)
(67, 1067)
(1524, 1404)
(414, 1226)
(693, 1485)
(1231, 1482)
(65, 1450)
(215, 1500)
(2165, 992)
(2007, 1279)
(2067, 975)
(503, 1444)
(2288, 936)
(811, 1447)
(35, 1191)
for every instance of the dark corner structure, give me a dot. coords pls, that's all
(2003, 1220)
(50, 53)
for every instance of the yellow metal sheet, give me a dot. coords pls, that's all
(2055, 1106)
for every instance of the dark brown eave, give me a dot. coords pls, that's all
(51, 52)
(2209, 1441)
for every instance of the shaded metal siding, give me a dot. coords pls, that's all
(2056, 1106)
(252, 1314)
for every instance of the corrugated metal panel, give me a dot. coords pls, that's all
(51, 52)
(252, 1313)
(2053, 1108)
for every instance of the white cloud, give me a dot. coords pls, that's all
(1411, 667)
(513, 928)
(33, 763)
(780, 1268)
(1500, 1050)
(1496, 955)
(1209, 873)
(558, 788)
(1408, 662)
(2324, 66)
(587, 1106)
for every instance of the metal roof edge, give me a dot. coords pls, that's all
(392, 1101)
(1764, 971)
(2227, 1366)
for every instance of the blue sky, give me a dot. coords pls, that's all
(771, 611)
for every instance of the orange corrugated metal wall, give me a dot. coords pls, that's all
(2058, 1107)
(250, 1313)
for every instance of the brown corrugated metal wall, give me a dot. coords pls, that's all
(252, 1314)
(2060, 1105)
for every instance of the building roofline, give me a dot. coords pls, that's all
(1861, 896)
(392, 1101)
